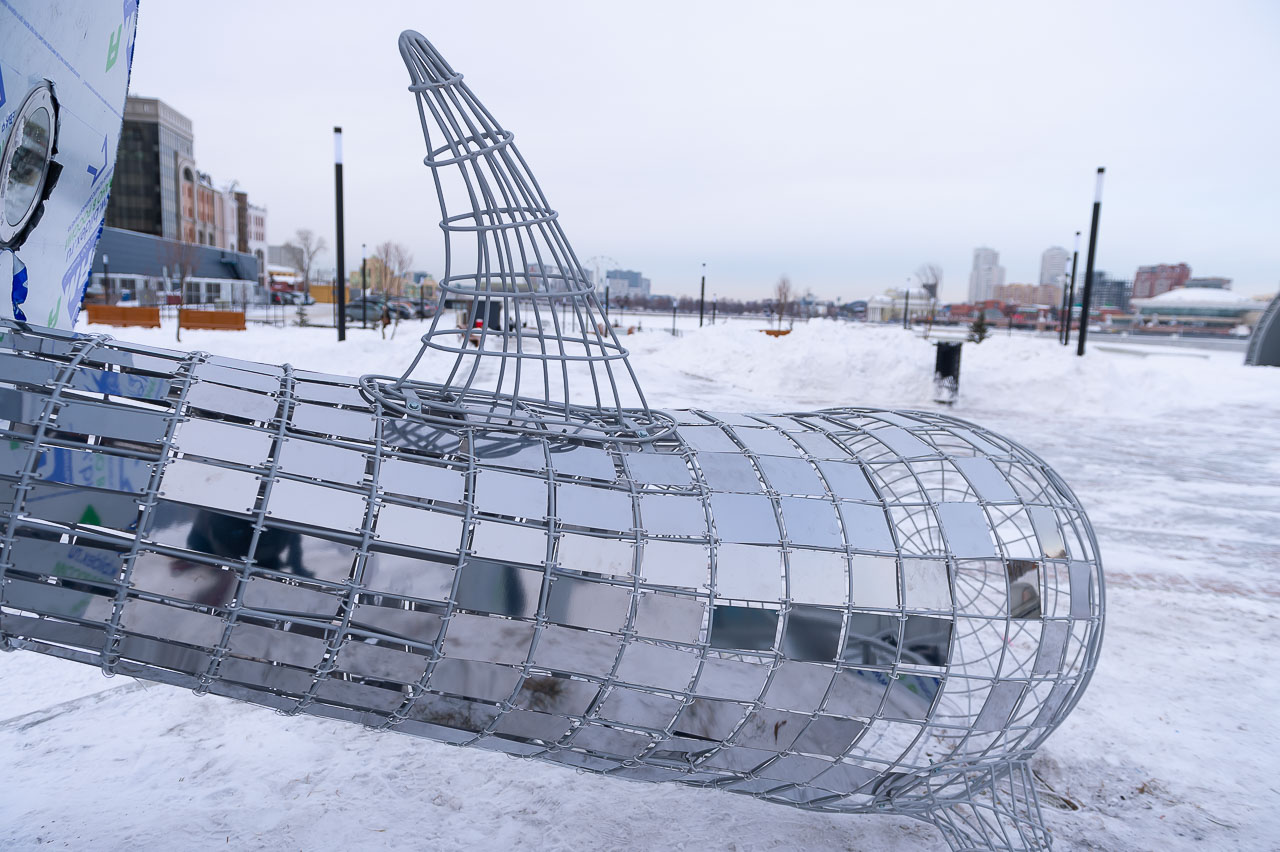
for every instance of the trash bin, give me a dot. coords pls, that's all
(946, 371)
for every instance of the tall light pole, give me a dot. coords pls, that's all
(673, 317)
(1070, 295)
(714, 301)
(1088, 267)
(342, 273)
(364, 299)
(906, 304)
(702, 295)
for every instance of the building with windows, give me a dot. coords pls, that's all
(1210, 283)
(155, 171)
(251, 228)
(147, 269)
(1053, 266)
(1208, 308)
(987, 274)
(626, 282)
(1029, 294)
(1161, 278)
(1107, 292)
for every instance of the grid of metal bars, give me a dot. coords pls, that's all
(848, 610)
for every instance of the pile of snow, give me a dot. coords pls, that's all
(1176, 459)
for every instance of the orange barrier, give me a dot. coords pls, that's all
(124, 316)
(776, 332)
(216, 320)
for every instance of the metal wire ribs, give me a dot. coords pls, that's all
(552, 361)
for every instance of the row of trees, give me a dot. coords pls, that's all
(386, 271)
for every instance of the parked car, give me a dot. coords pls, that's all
(357, 308)
(414, 309)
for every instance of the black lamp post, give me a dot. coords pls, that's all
(342, 274)
(1088, 267)
(364, 298)
(702, 295)
(1070, 295)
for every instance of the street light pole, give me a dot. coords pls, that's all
(702, 295)
(106, 279)
(1070, 295)
(364, 299)
(906, 304)
(673, 317)
(1088, 266)
(342, 274)
(714, 301)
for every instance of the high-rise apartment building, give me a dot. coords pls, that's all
(148, 194)
(626, 282)
(1053, 265)
(1108, 292)
(1154, 280)
(986, 276)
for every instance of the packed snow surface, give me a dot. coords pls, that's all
(1173, 747)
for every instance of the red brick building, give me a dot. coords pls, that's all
(1154, 280)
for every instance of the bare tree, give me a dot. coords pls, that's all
(930, 275)
(781, 298)
(394, 261)
(306, 245)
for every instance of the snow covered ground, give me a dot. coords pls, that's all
(1174, 746)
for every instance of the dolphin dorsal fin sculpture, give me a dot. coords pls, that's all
(533, 350)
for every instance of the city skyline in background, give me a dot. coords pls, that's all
(846, 173)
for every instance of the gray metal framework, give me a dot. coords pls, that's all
(847, 610)
(1264, 343)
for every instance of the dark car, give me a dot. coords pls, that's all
(372, 309)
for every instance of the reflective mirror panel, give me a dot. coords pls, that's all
(986, 480)
(431, 530)
(592, 462)
(673, 515)
(112, 422)
(812, 633)
(766, 442)
(866, 527)
(234, 401)
(226, 441)
(675, 563)
(316, 505)
(729, 472)
(811, 522)
(926, 584)
(333, 394)
(321, 461)
(875, 582)
(743, 628)
(1024, 588)
(658, 469)
(409, 576)
(745, 518)
(323, 420)
(749, 572)
(596, 554)
(510, 543)
(671, 618)
(657, 666)
(235, 378)
(818, 576)
(584, 603)
(799, 686)
(498, 588)
(427, 481)
(597, 508)
(968, 533)
(206, 485)
(511, 494)
(792, 476)
(1045, 523)
(82, 506)
(732, 678)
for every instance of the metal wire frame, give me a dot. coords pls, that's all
(553, 362)
(920, 700)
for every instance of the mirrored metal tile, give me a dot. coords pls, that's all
(236, 378)
(499, 588)
(510, 543)
(226, 441)
(658, 666)
(866, 527)
(597, 508)
(400, 476)
(672, 618)
(744, 518)
(812, 633)
(658, 469)
(729, 472)
(673, 514)
(926, 584)
(517, 496)
(411, 576)
(325, 420)
(316, 505)
(743, 628)
(749, 572)
(574, 460)
(112, 421)
(675, 563)
(578, 651)
(766, 442)
(584, 603)
(206, 485)
(596, 554)
(818, 576)
(321, 461)
(249, 405)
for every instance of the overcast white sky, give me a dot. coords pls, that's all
(841, 143)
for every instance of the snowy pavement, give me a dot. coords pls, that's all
(1173, 746)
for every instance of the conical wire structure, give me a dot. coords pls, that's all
(529, 346)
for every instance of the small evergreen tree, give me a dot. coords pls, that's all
(978, 329)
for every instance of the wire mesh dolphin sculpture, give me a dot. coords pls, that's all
(848, 610)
